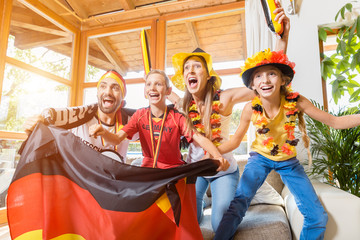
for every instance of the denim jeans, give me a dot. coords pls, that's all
(222, 193)
(294, 177)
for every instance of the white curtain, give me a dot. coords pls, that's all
(258, 34)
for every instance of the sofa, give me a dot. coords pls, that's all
(273, 213)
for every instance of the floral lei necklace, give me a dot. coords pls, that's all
(291, 111)
(214, 119)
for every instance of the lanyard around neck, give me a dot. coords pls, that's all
(118, 127)
(155, 147)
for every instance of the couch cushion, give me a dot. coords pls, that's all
(264, 222)
(260, 222)
(266, 194)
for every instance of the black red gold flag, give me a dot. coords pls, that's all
(145, 50)
(62, 189)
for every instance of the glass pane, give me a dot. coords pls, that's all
(25, 94)
(135, 96)
(90, 96)
(120, 51)
(344, 102)
(9, 158)
(93, 74)
(38, 42)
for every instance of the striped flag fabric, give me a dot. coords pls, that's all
(62, 189)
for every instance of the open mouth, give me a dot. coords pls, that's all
(192, 82)
(154, 95)
(266, 88)
(108, 102)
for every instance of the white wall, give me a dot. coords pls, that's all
(303, 46)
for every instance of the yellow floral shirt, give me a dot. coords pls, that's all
(275, 137)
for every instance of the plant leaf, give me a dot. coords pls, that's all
(355, 60)
(355, 96)
(358, 26)
(341, 48)
(349, 7)
(351, 33)
(322, 34)
(342, 12)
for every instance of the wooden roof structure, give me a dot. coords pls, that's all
(113, 29)
(106, 35)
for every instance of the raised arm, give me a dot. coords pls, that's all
(340, 122)
(112, 138)
(232, 96)
(235, 140)
(281, 43)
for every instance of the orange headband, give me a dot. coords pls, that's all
(114, 75)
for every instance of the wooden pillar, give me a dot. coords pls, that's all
(78, 69)
(160, 44)
(153, 43)
(323, 82)
(5, 19)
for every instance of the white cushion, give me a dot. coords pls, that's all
(266, 194)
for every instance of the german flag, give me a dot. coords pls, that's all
(63, 189)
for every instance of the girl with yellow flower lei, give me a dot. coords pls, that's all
(274, 113)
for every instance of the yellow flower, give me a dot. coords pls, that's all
(255, 101)
(196, 118)
(261, 122)
(215, 116)
(193, 107)
(290, 105)
(269, 142)
(256, 59)
(287, 149)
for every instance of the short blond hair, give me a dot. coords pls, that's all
(160, 72)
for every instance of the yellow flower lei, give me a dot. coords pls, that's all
(214, 119)
(291, 111)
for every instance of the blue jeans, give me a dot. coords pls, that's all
(222, 193)
(294, 177)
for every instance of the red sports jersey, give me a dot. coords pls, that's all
(174, 127)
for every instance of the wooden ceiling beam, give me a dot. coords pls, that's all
(173, 18)
(194, 36)
(78, 8)
(32, 40)
(127, 4)
(111, 55)
(49, 15)
(38, 71)
(167, 11)
(48, 30)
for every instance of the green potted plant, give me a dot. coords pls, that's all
(336, 153)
